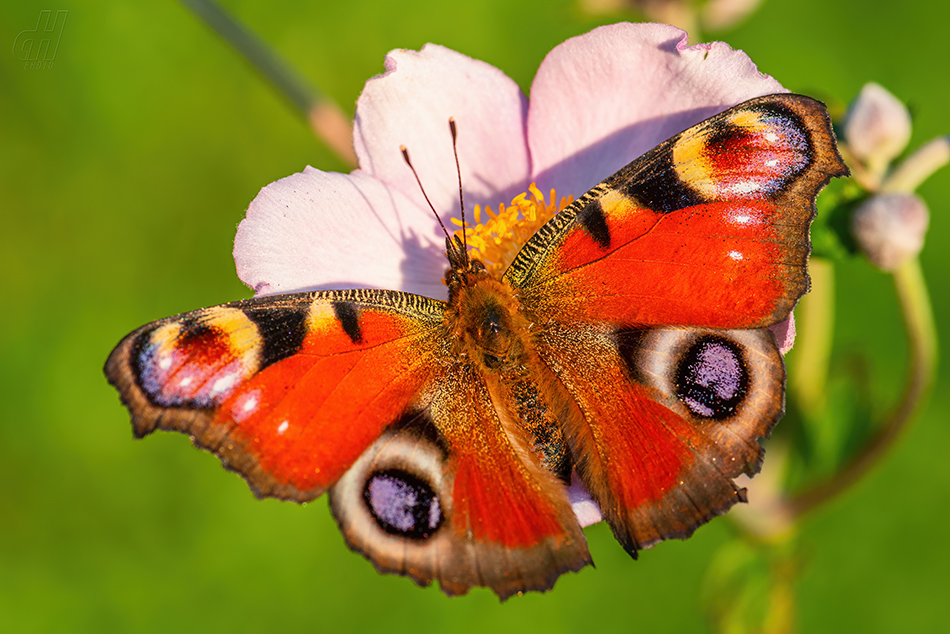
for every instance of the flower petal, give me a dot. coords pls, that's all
(410, 104)
(602, 99)
(585, 508)
(321, 230)
(784, 332)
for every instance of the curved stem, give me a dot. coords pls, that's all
(922, 339)
(325, 118)
(919, 166)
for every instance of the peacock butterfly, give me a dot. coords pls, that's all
(627, 343)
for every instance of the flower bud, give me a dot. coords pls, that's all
(877, 127)
(890, 228)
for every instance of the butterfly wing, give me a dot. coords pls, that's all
(499, 518)
(359, 392)
(652, 293)
(709, 228)
(285, 390)
(665, 419)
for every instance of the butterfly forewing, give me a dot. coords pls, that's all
(286, 390)
(709, 228)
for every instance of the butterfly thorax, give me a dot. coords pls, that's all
(484, 318)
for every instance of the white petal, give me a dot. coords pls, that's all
(322, 230)
(411, 104)
(602, 99)
(585, 508)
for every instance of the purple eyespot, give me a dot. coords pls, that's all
(712, 379)
(403, 504)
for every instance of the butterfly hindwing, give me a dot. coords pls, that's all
(457, 494)
(667, 417)
(669, 238)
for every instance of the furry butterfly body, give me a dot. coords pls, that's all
(627, 343)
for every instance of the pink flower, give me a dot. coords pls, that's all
(597, 102)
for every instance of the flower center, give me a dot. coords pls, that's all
(497, 240)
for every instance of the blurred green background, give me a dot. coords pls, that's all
(124, 170)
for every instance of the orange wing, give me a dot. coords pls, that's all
(361, 393)
(665, 418)
(286, 390)
(494, 516)
(709, 228)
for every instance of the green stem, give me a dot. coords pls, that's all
(815, 317)
(922, 339)
(919, 166)
(324, 117)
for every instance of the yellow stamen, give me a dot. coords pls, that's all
(497, 241)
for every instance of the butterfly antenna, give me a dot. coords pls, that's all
(448, 239)
(458, 170)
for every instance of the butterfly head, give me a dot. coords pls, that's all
(464, 271)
